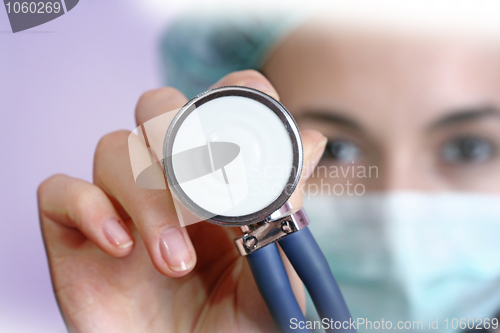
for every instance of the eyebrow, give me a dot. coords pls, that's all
(333, 117)
(456, 117)
(466, 115)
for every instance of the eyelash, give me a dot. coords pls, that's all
(342, 150)
(457, 151)
(468, 150)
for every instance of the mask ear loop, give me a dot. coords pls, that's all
(312, 267)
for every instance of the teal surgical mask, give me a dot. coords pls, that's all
(413, 256)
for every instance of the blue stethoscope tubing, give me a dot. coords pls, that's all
(312, 267)
(274, 286)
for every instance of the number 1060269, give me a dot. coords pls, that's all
(33, 7)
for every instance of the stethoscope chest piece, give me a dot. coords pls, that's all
(233, 156)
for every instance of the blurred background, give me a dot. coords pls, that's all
(63, 85)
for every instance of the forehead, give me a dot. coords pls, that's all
(358, 70)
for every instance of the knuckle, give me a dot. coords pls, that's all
(111, 141)
(148, 96)
(82, 205)
(252, 72)
(83, 199)
(44, 186)
(158, 93)
(246, 74)
(154, 96)
(110, 150)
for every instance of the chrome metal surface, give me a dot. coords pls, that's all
(267, 232)
(279, 204)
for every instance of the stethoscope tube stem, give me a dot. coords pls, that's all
(274, 286)
(312, 267)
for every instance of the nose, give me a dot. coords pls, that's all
(402, 169)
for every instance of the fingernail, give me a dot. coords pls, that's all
(262, 87)
(116, 234)
(174, 249)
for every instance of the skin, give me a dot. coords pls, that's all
(400, 94)
(393, 99)
(103, 287)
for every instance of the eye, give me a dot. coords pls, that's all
(468, 150)
(343, 151)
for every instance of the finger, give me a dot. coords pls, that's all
(248, 78)
(150, 105)
(152, 211)
(156, 102)
(74, 203)
(313, 143)
(154, 112)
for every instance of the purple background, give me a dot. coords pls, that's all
(63, 85)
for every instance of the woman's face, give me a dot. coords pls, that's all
(400, 113)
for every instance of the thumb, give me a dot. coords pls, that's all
(314, 145)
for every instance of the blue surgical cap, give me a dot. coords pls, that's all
(198, 50)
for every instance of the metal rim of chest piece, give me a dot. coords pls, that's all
(290, 126)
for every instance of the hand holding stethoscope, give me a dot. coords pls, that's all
(103, 283)
(233, 156)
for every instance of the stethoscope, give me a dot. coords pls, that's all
(233, 156)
